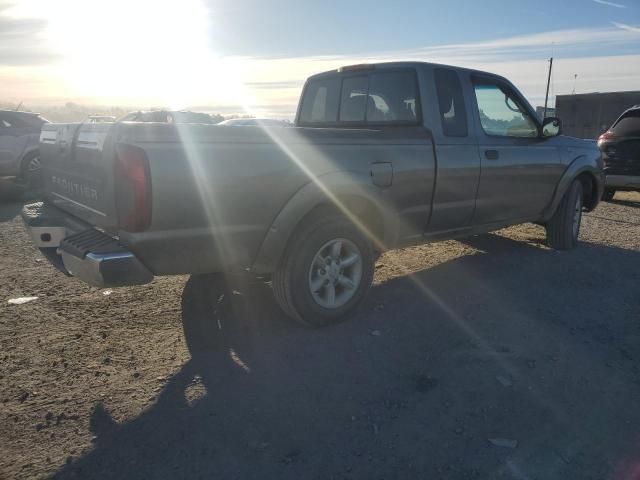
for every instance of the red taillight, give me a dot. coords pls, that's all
(607, 136)
(132, 188)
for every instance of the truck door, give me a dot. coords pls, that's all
(519, 169)
(456, 152)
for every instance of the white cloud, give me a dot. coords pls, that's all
(628, 28)
(610, 4)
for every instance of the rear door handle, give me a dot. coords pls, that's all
(491, 154)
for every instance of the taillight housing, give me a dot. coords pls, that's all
(132, 184)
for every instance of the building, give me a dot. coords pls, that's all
(551, 112)
(588, 115)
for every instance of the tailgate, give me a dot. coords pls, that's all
(77, 161)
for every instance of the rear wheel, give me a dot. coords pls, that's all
(326, 272)
(608, 194)
(564, 227)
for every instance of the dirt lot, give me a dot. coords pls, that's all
(461, 350)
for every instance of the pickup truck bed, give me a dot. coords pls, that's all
(228, 187)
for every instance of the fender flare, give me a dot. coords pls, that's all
(578, 166)
(337, 185)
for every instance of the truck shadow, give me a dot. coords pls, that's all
(408, 386)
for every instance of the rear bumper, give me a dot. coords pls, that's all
(623, 181)
(78, 249)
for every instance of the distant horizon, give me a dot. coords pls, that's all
(98, 109)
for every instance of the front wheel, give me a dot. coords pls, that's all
(325, 273)
(564, 227)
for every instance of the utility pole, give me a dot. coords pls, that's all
(546, 97)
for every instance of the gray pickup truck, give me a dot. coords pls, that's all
(381, 156)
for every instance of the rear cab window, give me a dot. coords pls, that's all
(377, 97)
(320, 102)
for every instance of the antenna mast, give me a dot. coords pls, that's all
(546, 97)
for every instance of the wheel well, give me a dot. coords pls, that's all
(589, 190)
(361, 212)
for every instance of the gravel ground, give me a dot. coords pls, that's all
(492, 357)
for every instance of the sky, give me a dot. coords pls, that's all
(252, 56)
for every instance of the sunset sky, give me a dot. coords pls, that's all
(252, 56)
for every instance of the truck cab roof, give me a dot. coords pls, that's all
(401, 64)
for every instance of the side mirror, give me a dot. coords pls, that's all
(551, 127)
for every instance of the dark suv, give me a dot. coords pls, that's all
(620, 147)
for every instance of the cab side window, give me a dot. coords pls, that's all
(501, 113)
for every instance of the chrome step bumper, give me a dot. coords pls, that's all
(78, 249)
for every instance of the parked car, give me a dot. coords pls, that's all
(382, 156)
(19, 152)
(620, 147)
(165, 116)
(248, 122)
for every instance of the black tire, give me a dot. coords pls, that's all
(608, 194)
(206, 312)
(291, 281)
(564, 227)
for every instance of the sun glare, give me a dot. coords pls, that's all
(155, 52)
